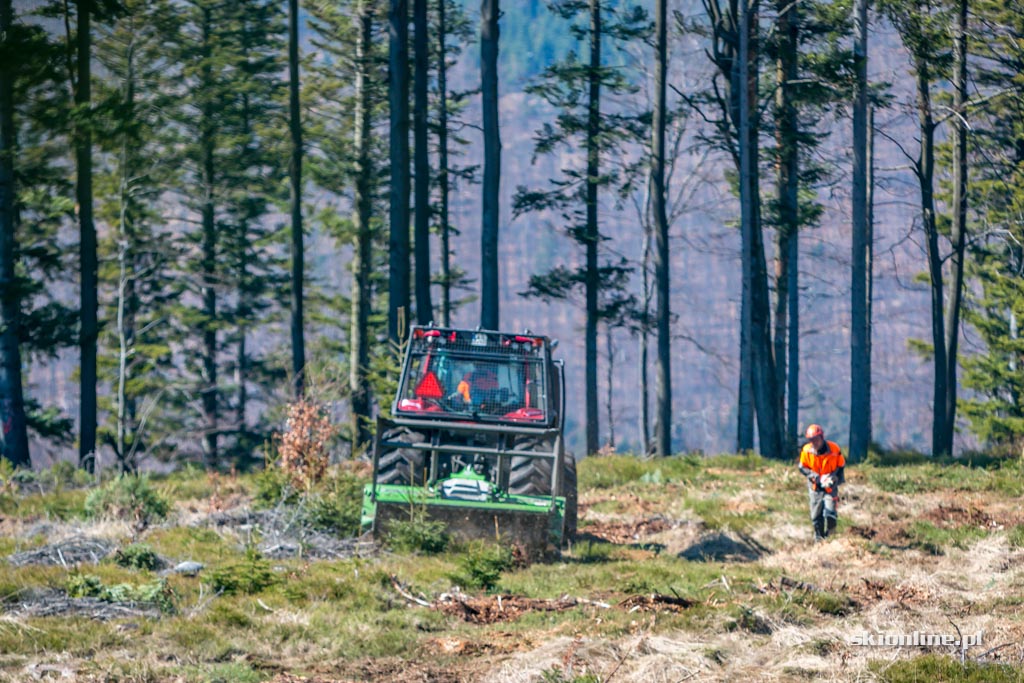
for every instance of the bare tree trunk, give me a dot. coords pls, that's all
(958, 232)
(424, 307)
(398, 87)
(610, 379)
(442, 162)
(592, 235)
(926, 178)
(13, 426)
(663, 370)
(209, 387)
(740, 95)
(788, 165)
(489, 299)
(870, 258)
(295, 178)
(359, 353)
(860, 398)
(645, 303)
(126, 298)
(87, 246)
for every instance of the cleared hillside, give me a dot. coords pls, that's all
(685, 569)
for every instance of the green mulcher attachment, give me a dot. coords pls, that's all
(484, 456)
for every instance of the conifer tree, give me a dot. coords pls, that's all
(574, 89)
(349, 89)
(135, 270)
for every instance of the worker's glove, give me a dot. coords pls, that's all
(826, 481)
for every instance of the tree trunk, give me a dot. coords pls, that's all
(610, 379)
(127, 302)
(645, 303)
(209, 388)
(958, 232)
(788, 184)
(870, 258)
(13, 426)
(741, 96)
(295, 181)
(860, 398)
(489, 32)
(592, 235)
(442, 162)
(88, 331)
(398, 92)
(359, 352)
(926, 178)
(421, 164)
(663, 371)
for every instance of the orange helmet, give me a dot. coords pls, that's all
(813, 431)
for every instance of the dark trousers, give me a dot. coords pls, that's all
(824, 511)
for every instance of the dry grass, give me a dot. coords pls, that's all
(765, 602)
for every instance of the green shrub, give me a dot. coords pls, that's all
(481, 565)
(129, 497)
(556, 675)
(830, 603)
(273, 485)
(417, 534)
(157, 593)
(137, 556)
(337, 505)
(250, 576)
(1016, 536)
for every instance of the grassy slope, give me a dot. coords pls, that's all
(921, 548)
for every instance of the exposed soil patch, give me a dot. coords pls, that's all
(869, 591)
(498, 643)
(953, 515)
(655, 603)
(628, 532)
(886, 533)
(493, 609)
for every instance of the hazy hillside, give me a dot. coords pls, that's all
(705, 263)
(705, 269)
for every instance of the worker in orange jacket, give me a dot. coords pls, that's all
(822, 463)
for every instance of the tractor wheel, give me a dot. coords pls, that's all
(569, 492)
(530, 476)
(402, 466)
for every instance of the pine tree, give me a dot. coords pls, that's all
(13, 425)
(41, 204)
(224, 128)
(994, 306)
(350, 103)
(574, 89)
(398, 98)
(453, 31)
(490, 317)
(135, 354)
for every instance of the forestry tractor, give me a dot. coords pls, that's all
(476, 441)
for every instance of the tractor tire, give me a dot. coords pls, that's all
(569, 493)
(402, 466)
(530, 476)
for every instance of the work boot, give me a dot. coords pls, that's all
(819, 530)
(830, 525)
